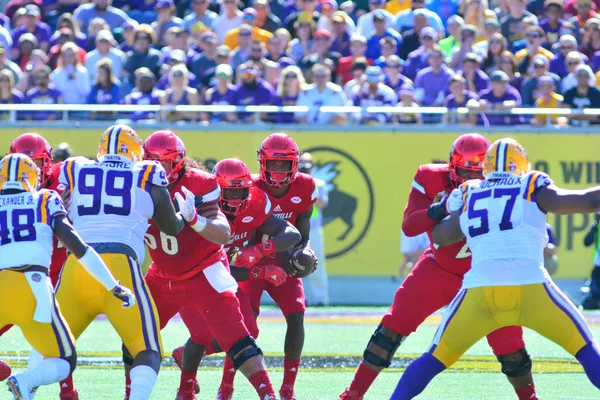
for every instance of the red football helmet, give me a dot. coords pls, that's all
(467, 153)
(36, 147)
(166, 146)
(233, 175)
(278, 146)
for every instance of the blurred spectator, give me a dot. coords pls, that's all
(61, 152)
(358, 47)
(359, 67)
(374, 93)
(8, 93)
(380, 32)
(455, 24)
(200, 13)
(105, 48)
(393, 74)
(329, 9)
(573, 60)
(530, 85)
(553, 23)
(508, 65)
(289, 87)
(33, 26)
(242, 53)
(395, 6)
(477, 80)
(43, 93)
(304, 42)
(6, 41)
(365, 24)
(497, 45)
(71, 77)
(478, 13)
(535, 38)
(178, 57)
(27, 80)
(221, 94)
(306, 12)
(252, 91)
(411, 40)
(96, 26)
(85, 13)
(66, 36)
(285, 38)
(165, 19)
(27, 43)
(267, 69)
(411, 248)
(407, 99)
(432, 82)
(558, 64)
(591, 39)
(501, 96)
(584, 12)
(67, 20)
(204, 61)
(405, 19)
(388, 48)
(322, 54)
(128, 36)
(180, 94)
(106, 88)
(142, 55)
(584, 95)
(443, 8)
(275, 51)
(459, 96)
(512, 24)
(6, 64)
(249, 18)
(467, 40)
(264, 18)
(419, 59)
(208, 79)
(322, 92)
(342, 34)
(546, 98)
(231, 17)
(179, 39)
(144, 94)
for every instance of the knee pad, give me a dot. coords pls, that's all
(517, 364)
(386, 343)
(72, 360)
(127, 358)
(244, 355)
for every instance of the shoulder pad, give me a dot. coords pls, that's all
(203, 184)
(150, 173)
(534, 180)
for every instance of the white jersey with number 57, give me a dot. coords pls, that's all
(505, 230)
(111, 202)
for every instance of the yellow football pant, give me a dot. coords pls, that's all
(83, 298)
(17, 306)
(476, 312)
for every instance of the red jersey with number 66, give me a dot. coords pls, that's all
(431, 183)
(187, 254)
(59, 254)
(243, 226)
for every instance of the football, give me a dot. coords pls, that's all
(5, 370)
(303, 261)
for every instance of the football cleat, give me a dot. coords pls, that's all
(185, 395)
(5, 370)
(350, 395)
(225, 392)
(72, 395)
(287, 392)
(20, 392)
(178, 358)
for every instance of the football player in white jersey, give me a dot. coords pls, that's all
(28, 220)
(110, 205)
(503, 218)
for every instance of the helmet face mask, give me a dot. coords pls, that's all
(466, 158)
(275, 148)
(233, 177)
(37, 148)
(168, 149)
(234, 200)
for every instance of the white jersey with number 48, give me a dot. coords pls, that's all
(505, 230)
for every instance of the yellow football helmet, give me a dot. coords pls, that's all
(120, 143)
(504, 158)
(18, 172)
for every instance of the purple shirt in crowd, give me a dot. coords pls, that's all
(42, 33)
(144, 99)
(402, 83)
(433, 83)
(263, 94)
(36, 96)
(163, 82)
(481, 80)
(81, 40)
(558, 64)
(500, 119)
(416, 61)
(452, 103)
(213, 97)
(342, 44)
(552, 34)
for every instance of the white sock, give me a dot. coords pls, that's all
(143, 379)
(48, 371)
(35, 358)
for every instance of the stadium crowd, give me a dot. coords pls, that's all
(403, 53)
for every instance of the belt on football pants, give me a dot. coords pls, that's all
(28, 268)
(114, 248)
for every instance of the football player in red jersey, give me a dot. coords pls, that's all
(191, 269)
(437, 276)
(292, 195)
(38, 149)
(248, 209)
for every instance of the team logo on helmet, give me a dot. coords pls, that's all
(124, 148)
(348, 216)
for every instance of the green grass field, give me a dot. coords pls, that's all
(335, 339)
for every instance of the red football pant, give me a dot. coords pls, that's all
(288, 296)
(220, 311)
(427, 289)
(199, 330)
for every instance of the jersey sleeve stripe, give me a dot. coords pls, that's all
(267, 205)
(44, 208)
(531, 185)
(39, 210)
(464, 199)
(418, 186)
(212, 196)
(146, 182)
(70, 168)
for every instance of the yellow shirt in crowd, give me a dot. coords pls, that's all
(554, 102)
(232, 41)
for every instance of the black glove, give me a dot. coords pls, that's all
(437, 211)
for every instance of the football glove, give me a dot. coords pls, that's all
(454, 201)
(269, 273)
(125, 295)
(437, 211)
(187, 208)
(248, 256)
